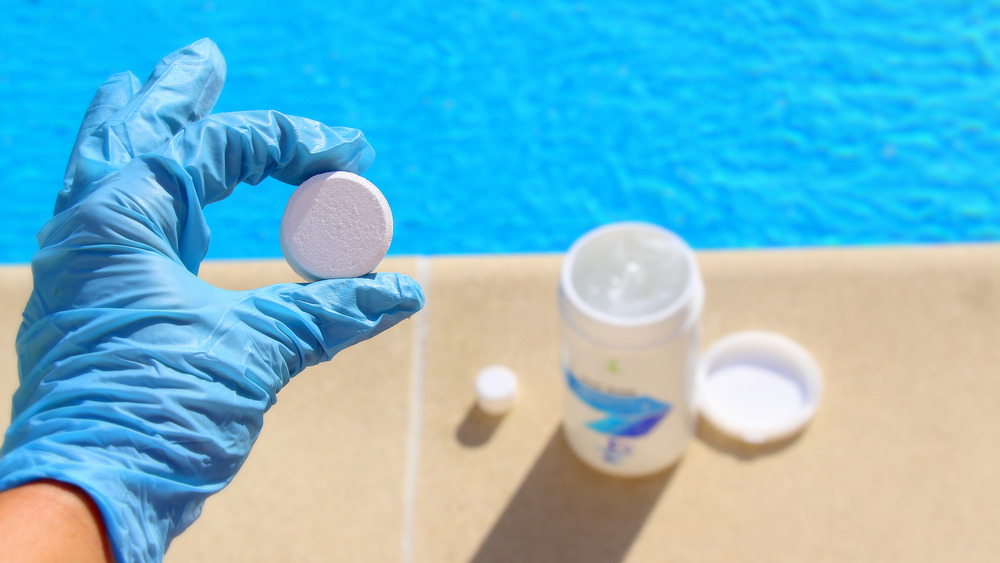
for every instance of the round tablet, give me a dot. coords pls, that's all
(336, 225)
(496, 390)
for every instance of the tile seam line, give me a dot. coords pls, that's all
(417, 374)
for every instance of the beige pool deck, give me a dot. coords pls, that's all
(380, 455)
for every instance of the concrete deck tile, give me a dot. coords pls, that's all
(15, 288)
(325, 480)
(482, 311)
(899, 463)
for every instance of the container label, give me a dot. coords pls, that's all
(626, 416)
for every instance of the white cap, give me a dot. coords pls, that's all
(336, 225)
(496, 390)
(758, 386)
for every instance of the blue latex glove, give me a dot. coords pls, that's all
(140, 383)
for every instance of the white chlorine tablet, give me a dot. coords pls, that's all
(336, 225)
(496, 390)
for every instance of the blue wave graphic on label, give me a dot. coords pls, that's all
(627, 416)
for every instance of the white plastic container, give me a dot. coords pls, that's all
(630, 296)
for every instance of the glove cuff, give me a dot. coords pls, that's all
(136, 531)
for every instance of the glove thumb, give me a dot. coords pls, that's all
(312, 322)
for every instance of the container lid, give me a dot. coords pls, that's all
(758, 386)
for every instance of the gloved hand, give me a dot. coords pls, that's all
(140, 383)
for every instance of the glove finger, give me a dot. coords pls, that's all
(205, 162)
(155, 202)
(182, 89)
(110, 97)
(226, 149)
(312, 322)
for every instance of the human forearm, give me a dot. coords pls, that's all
(49, 521)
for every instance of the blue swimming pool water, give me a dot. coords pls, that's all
(516, 125)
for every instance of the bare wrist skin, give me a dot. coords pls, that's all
(49, 521)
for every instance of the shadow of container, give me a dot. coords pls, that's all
(565, 511)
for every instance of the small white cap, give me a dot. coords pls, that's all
(496, 390)
(758, 386)
(336, 225)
